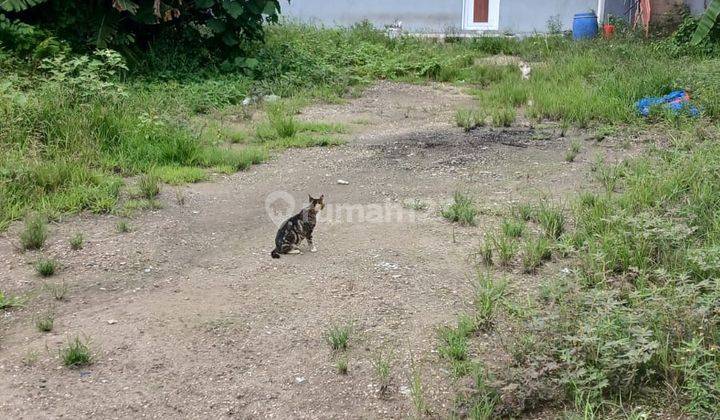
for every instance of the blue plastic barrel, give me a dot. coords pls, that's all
(585, 26)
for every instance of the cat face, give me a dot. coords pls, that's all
(317, 203)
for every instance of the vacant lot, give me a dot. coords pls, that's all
(492, 246)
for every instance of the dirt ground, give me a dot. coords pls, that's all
(189, 317)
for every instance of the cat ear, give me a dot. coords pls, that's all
(310, 197)
(321, 197)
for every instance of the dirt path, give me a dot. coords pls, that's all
(208, 325)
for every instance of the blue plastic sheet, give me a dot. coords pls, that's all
(677, 101)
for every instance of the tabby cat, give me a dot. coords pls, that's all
(297, 228)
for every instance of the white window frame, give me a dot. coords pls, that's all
(493, 22)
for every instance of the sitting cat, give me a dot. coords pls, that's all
(297, 228)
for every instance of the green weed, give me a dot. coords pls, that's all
(35, 232)
(44, 323)
(468, 119)
(337, 336)
(8, 302)
(513, 228)
(177, 175)
(572, 152)
(536, 251)
(381, 366)
(122, 226)
(342, 364)
(552, 220)
(488, 292)
(46, 267)
(462, 210)
(524, 212)
(503, 117)
(148, 186)
(77, 241)
(505, 248)
(76, 353)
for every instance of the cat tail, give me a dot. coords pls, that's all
(275, 253)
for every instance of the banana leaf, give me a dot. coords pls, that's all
(708, 20)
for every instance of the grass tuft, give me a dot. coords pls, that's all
(45, 323)
(148, 186)
(503, 117)
(77, 241)
(468, 119)
(513, 228)
(46, 267)
(337, 336)
(552, 220)
(381, 366)
(462, 210)
(122, 226)
(536, 251)
(342, 364)
(35, 232)
(573, 151)
(76, 353)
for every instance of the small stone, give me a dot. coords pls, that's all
(112, 321)
(299, 379)
(405, 390)
(342, 182)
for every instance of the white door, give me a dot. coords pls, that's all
(481, 15)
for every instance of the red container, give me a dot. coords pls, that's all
(608, 30)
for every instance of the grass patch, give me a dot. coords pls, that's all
(235, 160)
(35, 232)
(46, 267)
(148, 186)
(513, 228)
(76, 353)
(551, 219)
(525, 212)
(467, 119)
(177, 175)
(77, 242)
(462, 210)
(505, 248)
(486, 251)
(338, 336)
(535, 252)
(503, 117)
(488, 293)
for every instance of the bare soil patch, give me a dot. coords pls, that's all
(188, 315)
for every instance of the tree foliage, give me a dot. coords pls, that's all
(221, 24)
(708, 20)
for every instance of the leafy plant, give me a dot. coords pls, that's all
(45, 322)
(708, 20)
